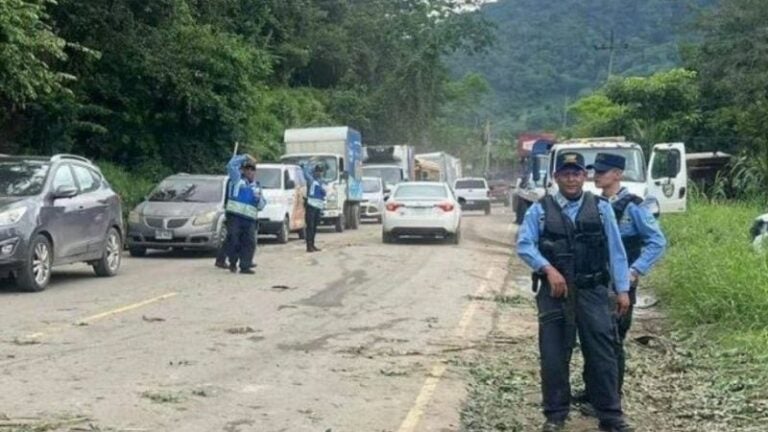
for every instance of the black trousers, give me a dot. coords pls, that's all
(312, 218)
(597, 331)
(241, 244)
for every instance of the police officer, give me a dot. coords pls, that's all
(315, 203)
(243, 205)
(640, 233)
(572, 243)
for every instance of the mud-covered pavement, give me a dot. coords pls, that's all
(360, 337)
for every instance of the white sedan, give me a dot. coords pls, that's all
(422, 209)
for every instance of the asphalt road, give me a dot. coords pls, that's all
(357, 338)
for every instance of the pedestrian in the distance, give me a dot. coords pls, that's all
(642, 238)
(315, 203)
(244, 202)
(571, 241)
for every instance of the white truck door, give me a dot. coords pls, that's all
(668, 177)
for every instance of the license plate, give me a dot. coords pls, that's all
(470, 202)
(419, 210)
(164, 235)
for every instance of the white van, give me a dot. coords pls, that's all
(284, 187)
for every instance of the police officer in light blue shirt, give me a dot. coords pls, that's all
(640, 232)
(572, 243)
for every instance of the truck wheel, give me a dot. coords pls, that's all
(36, 270)
(282, 235)
(355, 216)
(387, 238)
(340, 223)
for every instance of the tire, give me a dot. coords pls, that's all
(355, 214)
(109, 263)
(487, 209)
(456, 237)
(340, 223)
(137, 252)
(285, 231)
(302, 234)
(35, 274)
(387, 238)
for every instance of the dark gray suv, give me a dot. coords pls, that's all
(54, 211)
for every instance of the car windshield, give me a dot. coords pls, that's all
(371, 185)
(389, 175)
(635, 164)
(470, 184)
(188, 190)
(421, 191)
(269, 178)
(328, 162)
(22, 178)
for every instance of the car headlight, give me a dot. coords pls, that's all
(10, 217)
(205, 219)
(134, 217)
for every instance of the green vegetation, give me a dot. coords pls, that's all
(174, 83)
(545, 55)
(711, 280)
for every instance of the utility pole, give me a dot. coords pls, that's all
(611, 47)
(487, 139)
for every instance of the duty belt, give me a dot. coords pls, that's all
(591, 281)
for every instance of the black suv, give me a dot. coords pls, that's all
(53, 211)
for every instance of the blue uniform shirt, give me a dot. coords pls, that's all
(240, 189)
(639, 221)
(530, 231)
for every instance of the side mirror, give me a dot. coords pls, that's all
(290, 184)
(462, 201)
(345, 175)
(65, 192)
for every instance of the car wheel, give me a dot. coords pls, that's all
(456, 237)
(137, 252)
(387, 238)
(35, 275)
(111, 258)
(282, 235)
(355, 213)
(340, 223)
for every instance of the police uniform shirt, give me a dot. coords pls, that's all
(530, 230)
(638, 220)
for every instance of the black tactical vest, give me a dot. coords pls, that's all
(575, 249)
(632, 244)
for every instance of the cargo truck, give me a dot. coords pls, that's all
(449, 167)
(392, 164)
(339, 150)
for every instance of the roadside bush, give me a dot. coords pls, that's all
(711, 276)
(132, 186)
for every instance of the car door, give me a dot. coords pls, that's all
(62, 217)
(95, 208)
(295, 178)
(668, 177)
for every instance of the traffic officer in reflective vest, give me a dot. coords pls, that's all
(571, 241)
(640, 233)
(315, 203)
(243, 205)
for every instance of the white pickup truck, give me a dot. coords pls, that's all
(663, 183)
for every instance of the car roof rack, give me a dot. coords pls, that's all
(63, 156)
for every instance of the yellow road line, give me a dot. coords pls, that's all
(130, 307)
(109, 313)
(427, 391)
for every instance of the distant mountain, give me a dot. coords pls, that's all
(545, 51)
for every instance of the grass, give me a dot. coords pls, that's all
(710, 278)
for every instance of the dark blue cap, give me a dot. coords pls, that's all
(607, 161)
(569, 160)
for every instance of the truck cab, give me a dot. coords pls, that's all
(663, 182)
(339, 151)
